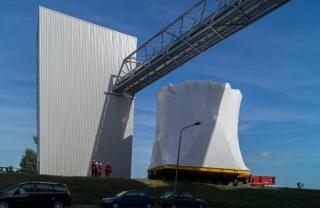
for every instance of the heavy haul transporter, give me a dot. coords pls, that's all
(197, 174)
(210, 175)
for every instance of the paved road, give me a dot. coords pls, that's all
(97, 206)
(92, 206)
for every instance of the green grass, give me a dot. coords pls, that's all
(91, 190)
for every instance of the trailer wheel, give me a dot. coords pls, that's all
(149, 206)
(235, 182)
(230, 183)
(173, 206)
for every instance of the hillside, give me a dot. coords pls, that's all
(91, 190)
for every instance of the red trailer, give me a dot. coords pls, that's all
(255, 180)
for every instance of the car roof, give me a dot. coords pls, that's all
(136, 191)
(177, 193)
(40, 182)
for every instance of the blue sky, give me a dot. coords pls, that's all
(275, 63)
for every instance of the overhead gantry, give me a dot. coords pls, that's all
(204, 25)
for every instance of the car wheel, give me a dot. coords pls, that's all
(173, 206)
(149, 206)
(115, 206)
(58, 204)
(4, 204)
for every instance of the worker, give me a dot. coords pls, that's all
(99, 170)
(93, 168)
(108, 170)
(299, 185)
(96, 172)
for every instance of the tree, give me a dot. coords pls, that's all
(29, 161)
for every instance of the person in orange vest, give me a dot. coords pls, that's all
(99, 170)
(108, 170)
(93, 168)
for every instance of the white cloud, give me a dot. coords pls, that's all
(266, 155)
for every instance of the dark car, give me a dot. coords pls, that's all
(35, 194)
(133, 198)
(173, 200)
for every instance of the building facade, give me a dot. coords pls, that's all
(78, 119)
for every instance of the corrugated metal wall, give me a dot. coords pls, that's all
(77, 121)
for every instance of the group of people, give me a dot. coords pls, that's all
(300, 185)
(97, 168)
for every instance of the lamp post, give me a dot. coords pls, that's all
(177, 165)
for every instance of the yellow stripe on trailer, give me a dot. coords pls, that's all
(200, 169)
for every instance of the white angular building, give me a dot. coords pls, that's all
(213, 144)
(78, 120)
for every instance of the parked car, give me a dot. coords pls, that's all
(36, 194)
(132, 198)
(173, 200)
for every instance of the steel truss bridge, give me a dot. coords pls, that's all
(204, 25)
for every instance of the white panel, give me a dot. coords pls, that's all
(212, 144)
(77, 121)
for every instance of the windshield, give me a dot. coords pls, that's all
(121, 194)
(10, 190)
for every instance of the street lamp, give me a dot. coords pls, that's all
(177, 166)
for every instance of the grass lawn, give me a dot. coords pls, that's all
(92, 190)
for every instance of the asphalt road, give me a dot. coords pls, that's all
(93, 206)
(97, 206)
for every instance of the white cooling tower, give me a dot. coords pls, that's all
(213, 144)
